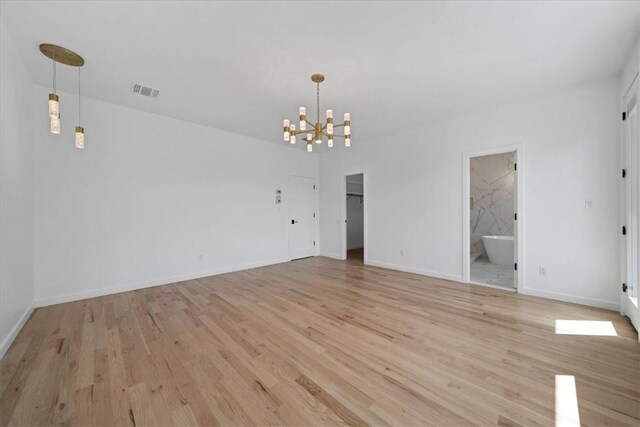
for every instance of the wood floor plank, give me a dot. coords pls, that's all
(315, 342)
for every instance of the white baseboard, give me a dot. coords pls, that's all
(6, 343)
(592, 302)
(76, 296)
(331, 255)
(406, 269)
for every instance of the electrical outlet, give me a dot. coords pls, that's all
(542, 271)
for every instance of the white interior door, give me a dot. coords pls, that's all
(302, 217)
(632, 136)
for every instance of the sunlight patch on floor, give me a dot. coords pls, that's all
(586, 327)
(567, 414)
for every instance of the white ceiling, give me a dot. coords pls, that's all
(244, 66)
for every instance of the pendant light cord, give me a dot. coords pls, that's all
(54, 71)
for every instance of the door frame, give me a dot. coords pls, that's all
(315, 210)
(518, 149)
(628, 260)
(343, 206)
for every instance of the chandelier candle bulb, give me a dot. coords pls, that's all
(54, 105)
(293, 134)
(347, 141)
(286, 130)
(330, 143)
(329, 114)
(347, 117)
(330, 128)
(79, 137)
(309, 146)
(347, 130)
(303, 118)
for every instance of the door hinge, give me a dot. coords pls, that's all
(314, 215)
(515, 216)
(624, 230)
(515, 166)
(314, 186)
(515, 266)
(624, 115)
(314, 243)
(624, 287)
(624, 173)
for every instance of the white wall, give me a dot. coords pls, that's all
(149, 195)
(414, 192)
(16, 193)
(355, 218)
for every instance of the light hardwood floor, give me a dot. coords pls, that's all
(316, 342)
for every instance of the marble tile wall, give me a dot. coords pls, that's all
(492, 198)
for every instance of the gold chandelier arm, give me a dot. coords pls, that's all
(338, 136)
(338, 126)
(310, 124)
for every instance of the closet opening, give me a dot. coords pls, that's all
(355, 202)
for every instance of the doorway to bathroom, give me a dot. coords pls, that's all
(491, 223)
(354, 233)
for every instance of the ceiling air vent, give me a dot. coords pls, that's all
(145, 91)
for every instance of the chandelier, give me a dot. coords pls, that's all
(317, 131)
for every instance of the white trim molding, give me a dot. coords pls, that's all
(592, 302)
(6, 344)
(331, 255)
(419, 271)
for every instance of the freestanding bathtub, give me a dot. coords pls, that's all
(499, 249)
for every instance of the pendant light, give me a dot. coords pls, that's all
(54, 104)
(59, 54)
(79, 128)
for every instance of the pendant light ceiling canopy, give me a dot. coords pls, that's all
(62, 55)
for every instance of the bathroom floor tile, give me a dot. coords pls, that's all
(492, 274)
